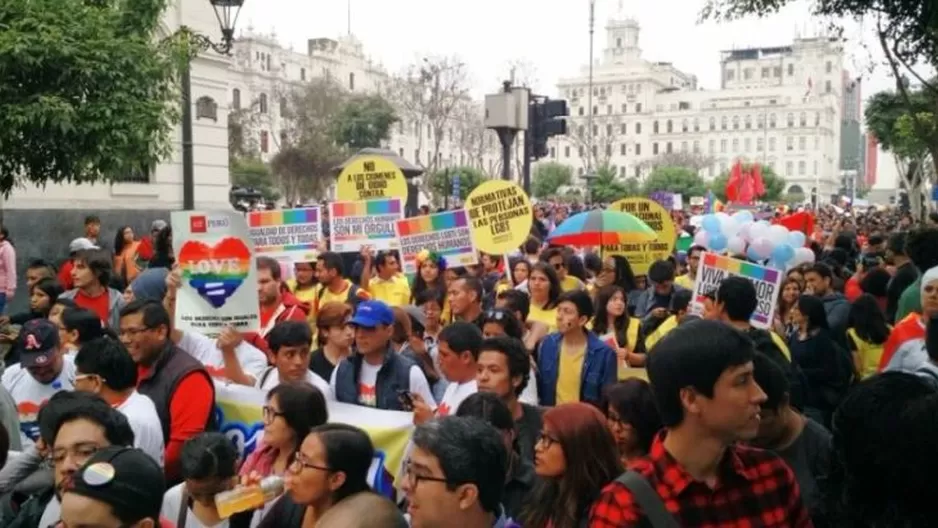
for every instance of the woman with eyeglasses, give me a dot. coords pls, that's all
(331, 464)
(632, 417)
(575, 457)
(544, 289)
(293, 409)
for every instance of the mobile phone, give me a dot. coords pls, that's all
(406, 400)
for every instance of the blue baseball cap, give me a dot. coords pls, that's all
(370, 314)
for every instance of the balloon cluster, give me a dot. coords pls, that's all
(759, 241)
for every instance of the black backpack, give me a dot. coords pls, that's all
(764, 344)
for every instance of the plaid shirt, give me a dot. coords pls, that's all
(756, 488)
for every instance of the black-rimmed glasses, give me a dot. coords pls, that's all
(413, 478)
(301, 462)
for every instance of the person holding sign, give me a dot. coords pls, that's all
(389, 286)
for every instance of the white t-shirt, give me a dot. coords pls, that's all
(29, 394)
(145, 422)
(368, 379)
(203, 348)
(270, 378)
(529, 394)
(454, 395)
(172, 503)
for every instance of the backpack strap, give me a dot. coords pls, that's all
(183, 507)
(648, 499)
(265, 375)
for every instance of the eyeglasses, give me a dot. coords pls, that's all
(558, 266)
(270, 414)
(132, 332)
(412, 478)
(80, 453)
(546, 440)
(83, 377)
(301, 462)
(495, 315)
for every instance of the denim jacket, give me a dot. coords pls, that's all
(599, 369)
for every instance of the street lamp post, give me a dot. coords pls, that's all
(226, 11)
(589, 96)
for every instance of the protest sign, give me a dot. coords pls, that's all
(354, 225)
(371, 178)
(239, 413)
(219, 278)
(641, 255)
(501, 215)
(447, 234)
(288, 234)
(714, 268)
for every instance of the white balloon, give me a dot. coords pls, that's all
(803, 255)
(702, 238)
(758, 230)
(744, 231)
(736, 246)
(778, 234)
(729, 227)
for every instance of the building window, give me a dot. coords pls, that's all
(566, 152)
(654, 148)
(262, 103)
(553, 153)
(760, 144)
(608, 151)
(827, 87)
(772, 144)
(581, 151)
(265, 140)
(788, 168)
(747, 73)
(302, 74)
(803, 119)
(713, 123)
(638, 107)
(684, 126)
(696, 125)
(638, 149)
(802, 143)
(711, 146)
(815, 166)
(696, 147)
(351, 81)
(595, 110)
(723, 143)
(683, 146)
(765, 73)
(735, 122)
(730, 74)
(802, 168)
(654, 127)
(417, 156)
(817, 142)
(595, 130)
(206, 107)
(622, 171)
(817, 119)
(581, 110)
(668, 148)
(790, 119)
(283, 106)
(772, 121)
(777, 71)
(608, 130)
(236, 99)
(829, 67)
(638, 128)
(748, 145)
(623, 129)
(670, 127)
(735, 145)
(789, 144)
(760, 121)
(594, 150)
(609, 109)
(622, 149)
(791, 70)
(748, 122)
(624, 107)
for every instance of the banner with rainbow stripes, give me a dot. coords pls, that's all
(714, 268)
(354, 225)
(447, 234)
(287, 234)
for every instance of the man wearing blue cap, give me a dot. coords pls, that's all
(375, 375)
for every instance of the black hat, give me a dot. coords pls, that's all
(37, 343)
(125, 478)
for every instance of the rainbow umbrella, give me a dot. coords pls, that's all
(601, 228)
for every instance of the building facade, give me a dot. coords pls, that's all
(264, 72)
(780, 107)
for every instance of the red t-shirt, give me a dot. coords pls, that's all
(100, 305)
(65, 275)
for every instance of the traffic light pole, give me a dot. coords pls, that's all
(507, 137)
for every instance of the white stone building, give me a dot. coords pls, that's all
(777, 106)
(264, 70)
(161, 188)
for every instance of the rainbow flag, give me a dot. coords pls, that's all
(286, 234)
(713, 205)
(354, 225)
(714, 268)
(447, 234)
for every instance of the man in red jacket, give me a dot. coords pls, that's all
(277, 304)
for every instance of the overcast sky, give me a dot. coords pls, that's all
(552, 36)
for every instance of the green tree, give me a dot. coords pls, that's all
(364, 121)
(254, 174)
(85, 94)
(774, 185)
(679, 180)
(549, 177)
(440, 182)
(608, 188)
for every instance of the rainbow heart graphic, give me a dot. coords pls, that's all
(216, 272)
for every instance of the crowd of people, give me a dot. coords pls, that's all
(549, 388)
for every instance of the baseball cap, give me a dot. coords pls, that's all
(37, 343)
(124, 478)
(370, 314)
(81, 244)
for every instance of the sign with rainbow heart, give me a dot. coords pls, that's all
(354, 225)
(219, 278)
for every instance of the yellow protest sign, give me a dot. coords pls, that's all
(370, 178)
(501, 215)
(641, 255)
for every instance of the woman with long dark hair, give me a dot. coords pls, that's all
(612, 317)
(7, 268)
(867, 332)
(814, 350)
(163, 256)
(632, 417)
(575, 457)
(544, 289)
(125, 254)
(791, 290)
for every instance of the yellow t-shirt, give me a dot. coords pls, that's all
(306, 295)
(870, 354)
(540, 315)
(571, 283)
(684, 281)
(570, 374)
(669, 324)
(393, 292)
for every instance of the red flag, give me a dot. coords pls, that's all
(803, 221)
(733, 183)
(758, 184)
(746, 189)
